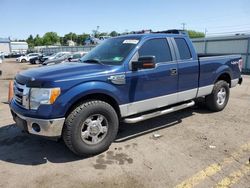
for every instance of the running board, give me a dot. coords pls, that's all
(158, 113)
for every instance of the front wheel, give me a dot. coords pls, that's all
(218, 99)
(37, 61)
(23, 61)
(90, 128)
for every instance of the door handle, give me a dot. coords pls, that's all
(173, 71)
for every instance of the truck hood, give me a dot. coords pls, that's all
(58, 73)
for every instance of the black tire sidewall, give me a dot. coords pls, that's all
(100, 108)
(211, 100)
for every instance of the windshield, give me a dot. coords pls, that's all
(111, 51)
(59, 55)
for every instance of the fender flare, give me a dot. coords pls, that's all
(224, 69)
(71, 96)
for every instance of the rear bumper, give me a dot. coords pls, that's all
(234, 82)
(240, 80)
(43, 127)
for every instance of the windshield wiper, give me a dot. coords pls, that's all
(93, 61)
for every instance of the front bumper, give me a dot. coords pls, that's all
(43, 127)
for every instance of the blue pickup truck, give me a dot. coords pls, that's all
(128, 78)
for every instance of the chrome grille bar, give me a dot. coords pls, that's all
(21, 94)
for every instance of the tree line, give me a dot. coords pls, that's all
(52, 38)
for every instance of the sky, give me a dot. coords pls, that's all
(20, 18)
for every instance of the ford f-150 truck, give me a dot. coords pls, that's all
(129, 78)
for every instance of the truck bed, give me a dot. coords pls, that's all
(210, 64)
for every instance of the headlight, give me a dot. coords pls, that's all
(40, 96)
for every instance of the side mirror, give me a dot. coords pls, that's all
(144, 62)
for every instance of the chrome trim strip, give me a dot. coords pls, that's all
(18, 99)
(162, 101)
(187, 95)
(159, 113)
(22, 97)
(148, 104)
(18, 85)
(206, 90)
(234, 82)
(49, 127)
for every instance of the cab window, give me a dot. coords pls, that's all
(183, 48)
(158, 48)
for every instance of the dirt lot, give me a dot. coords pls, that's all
(196, 148)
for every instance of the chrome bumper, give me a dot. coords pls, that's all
(42, 127)
(234, 82)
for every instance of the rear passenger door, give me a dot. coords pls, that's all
(188, 70)
(157, 87)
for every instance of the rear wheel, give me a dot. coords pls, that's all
(90, 128)
(218, 99)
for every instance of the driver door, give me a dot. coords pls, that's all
(153, 88)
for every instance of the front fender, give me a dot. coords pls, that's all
(76, 93)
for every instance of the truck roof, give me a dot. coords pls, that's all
(150, 35)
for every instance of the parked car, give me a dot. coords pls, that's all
(75, 57)
(59, 58)
(91, 41)
(37, 59)
(129, 78)
(26, 58)
(1, 57)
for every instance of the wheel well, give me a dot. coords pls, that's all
(226, 77)
(96, 96)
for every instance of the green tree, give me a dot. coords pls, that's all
(63, 41)
(50, 38)
(95, 33)
(195, 34)
(30, 41)
(104, 34)
(113, 34)
(81, 38)
(38, 41)
(70, 36)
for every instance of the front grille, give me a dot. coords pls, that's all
(21, 94)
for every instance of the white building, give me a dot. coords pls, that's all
(19, 47)
(71, 43)
(5, 46)
(8, 47)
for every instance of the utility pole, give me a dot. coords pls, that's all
(206, 32)
(183, 26)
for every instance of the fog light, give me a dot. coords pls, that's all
(36, 127)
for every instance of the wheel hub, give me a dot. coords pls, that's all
(221, 96)
(94, 129)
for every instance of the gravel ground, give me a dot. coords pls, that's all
(195, 148)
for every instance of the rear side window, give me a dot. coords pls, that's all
(183, 48)
(76, 56)
(158, 48)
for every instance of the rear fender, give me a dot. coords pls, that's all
(224, 69)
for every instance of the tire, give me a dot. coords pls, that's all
(80, 131)
(37, 62)
(218, 99)
(23, 61)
